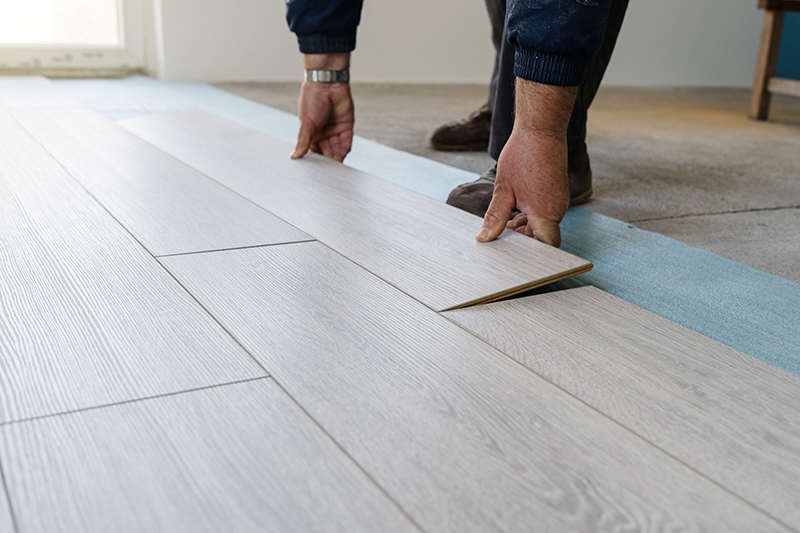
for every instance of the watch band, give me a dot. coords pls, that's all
(327, 76)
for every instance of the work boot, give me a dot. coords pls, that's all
(469, 134)
(474, 197)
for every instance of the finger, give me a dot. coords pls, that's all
(494, 222)
(336, 148)
(325, 146)
(520, 220)
(346, 143)
(303, 140)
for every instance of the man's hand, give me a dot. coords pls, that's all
(326, 111)
(532, 168)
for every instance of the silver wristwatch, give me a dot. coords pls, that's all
(327, 76)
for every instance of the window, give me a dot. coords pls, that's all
(71, 37)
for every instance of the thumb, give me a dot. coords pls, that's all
(303, 140)
(496, 218)
(546, 230)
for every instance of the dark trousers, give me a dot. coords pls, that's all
(501, 88)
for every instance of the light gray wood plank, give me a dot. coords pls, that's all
(239, 457)
(461, 436)
(424, 247)
(20, 92)
(168, 206)
(87, 316)
(726, 414)
(6, 523)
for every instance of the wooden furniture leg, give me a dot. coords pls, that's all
(767, 60)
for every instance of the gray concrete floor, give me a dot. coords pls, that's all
(686, 163)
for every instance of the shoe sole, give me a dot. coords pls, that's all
(471, 147)
(581, 198)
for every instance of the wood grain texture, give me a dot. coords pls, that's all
(20, 92)
(726, 414)
(461, 436)
(240, 457)
(424, 247)
(87, 316)
(6, 523)
(169, 207)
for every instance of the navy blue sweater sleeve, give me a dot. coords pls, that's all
(554, 40)
(324, 26)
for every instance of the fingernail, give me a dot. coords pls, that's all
(482, 234)
(294, 155)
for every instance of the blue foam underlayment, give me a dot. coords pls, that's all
(754, 312)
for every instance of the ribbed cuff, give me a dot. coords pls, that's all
(550, 68)
(327, 43)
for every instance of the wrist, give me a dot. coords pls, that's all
(542, 109)
(338, 61)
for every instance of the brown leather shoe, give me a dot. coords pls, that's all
(469, 134)
(474, 197)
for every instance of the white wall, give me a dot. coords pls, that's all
(677, 42)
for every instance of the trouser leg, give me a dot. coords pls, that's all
(503, 103)
(497, 18)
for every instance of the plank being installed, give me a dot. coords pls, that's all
(462, 437)
(168, 206)
(240, 457)
(726, 414)
(422, 246)
(87, 316)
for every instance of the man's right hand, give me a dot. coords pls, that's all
(532, 168)
(326, 111)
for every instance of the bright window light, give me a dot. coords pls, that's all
(60, 22)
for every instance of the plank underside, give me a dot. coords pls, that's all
(424, 247)
(458, 434)
(169, 207)
(242, 457)
(726, 414)
(88, 317)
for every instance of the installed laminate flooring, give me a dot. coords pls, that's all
(424, 247)
(87, 316)
(728, 415)
(169, 207)
(240, 457)
(461, 436)
(22, 92)
(6, 522)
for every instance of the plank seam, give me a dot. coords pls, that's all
(103, 406)
(303, 409)
(623, 427)
(107, 210)
(236, 248)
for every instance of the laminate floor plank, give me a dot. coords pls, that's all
(239, 457)
(460, 435)
(87, 316)
(21, 92)
(424, 247)
(726, 414)
(6, 522)
(168, 206)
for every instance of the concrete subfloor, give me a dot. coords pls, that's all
(686, 163)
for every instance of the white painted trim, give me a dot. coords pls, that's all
(84, 60)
